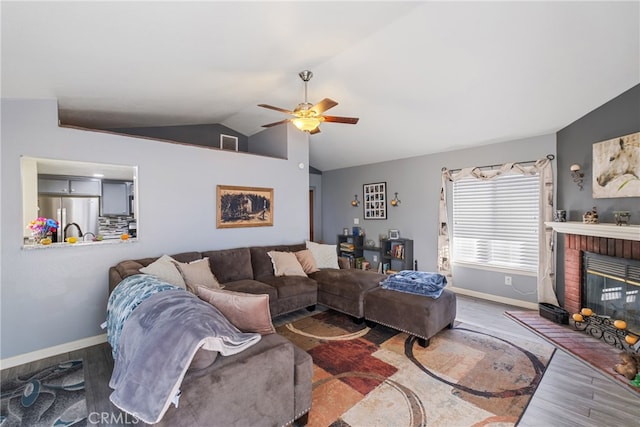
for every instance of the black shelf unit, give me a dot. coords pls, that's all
(396, 254)
(356, 252)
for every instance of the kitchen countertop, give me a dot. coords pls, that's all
(104, 242)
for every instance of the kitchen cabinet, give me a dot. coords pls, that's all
(115, 198)
(64, 186)
(84, 187)
(53, 186)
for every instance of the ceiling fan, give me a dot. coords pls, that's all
(307, 117)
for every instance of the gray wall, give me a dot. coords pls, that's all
(417, 181)
(271, 143)
(206, 135)
(58, 295)
(618, 117)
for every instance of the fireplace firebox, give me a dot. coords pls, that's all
(611, 287)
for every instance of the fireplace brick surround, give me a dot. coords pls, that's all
(574, 245)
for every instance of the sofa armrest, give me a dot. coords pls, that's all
(253, 387)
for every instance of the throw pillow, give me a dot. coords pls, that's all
(326, 256)
(164, 268)
(247, 312)
(305, 258)
(285, 264)
(198, 273)
(344, 263)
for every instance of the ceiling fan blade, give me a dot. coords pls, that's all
(316, 130)
(336, 119)
(276, 123)
(324, 105)
(282, 110)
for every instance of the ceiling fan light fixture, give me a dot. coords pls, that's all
(306, 124)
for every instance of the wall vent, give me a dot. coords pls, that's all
(228, 142)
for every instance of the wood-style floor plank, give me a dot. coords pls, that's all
(570, 393)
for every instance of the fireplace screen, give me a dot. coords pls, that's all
(610, 288)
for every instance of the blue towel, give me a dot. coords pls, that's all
(416, 282)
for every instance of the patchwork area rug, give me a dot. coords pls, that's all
(54, 396)
(380, 377)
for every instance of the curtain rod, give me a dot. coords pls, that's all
(549, 156)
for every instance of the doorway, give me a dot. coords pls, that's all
(311, 198)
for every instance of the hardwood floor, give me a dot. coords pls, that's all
(570, 394)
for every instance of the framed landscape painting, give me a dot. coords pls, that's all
(375, 200)
(616, 167)
(244, 207)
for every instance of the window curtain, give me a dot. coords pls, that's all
(546, 266)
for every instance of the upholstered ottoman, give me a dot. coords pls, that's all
(417, 315)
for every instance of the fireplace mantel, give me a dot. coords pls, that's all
(612, 231)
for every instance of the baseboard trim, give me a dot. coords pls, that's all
(495, 298)
(21, 359)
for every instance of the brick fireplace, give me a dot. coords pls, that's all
(574, 246)
(603, 239)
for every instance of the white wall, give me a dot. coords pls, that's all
(417, 181)
(52, 297)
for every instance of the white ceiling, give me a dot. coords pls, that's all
(422, 76)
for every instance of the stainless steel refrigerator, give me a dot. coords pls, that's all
(82, 211)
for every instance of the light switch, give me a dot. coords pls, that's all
(356, 221)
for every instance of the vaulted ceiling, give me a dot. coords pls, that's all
(422, 76)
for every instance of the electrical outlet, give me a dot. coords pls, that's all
(507, 280)
(356, 221)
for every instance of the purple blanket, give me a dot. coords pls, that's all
(157, 344)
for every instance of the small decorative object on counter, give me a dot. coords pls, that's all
(42, 228)
(590, 217)
(560, 215)
(622, 217)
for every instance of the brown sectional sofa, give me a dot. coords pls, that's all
(270, 383)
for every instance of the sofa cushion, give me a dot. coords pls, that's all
(247, 312)
(197, 273)
(164, 268)
(129, 268)
(260, 260)
(203, 359)
(306, 260)
(285, 264)
(288, 286)
(326, 256)
(187, 256)
(251, 286)
(230, 265)
(349, 283)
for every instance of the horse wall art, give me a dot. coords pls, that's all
(616, 167)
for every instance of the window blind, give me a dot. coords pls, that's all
(495, 222)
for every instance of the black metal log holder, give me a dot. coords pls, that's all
(602, 327)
